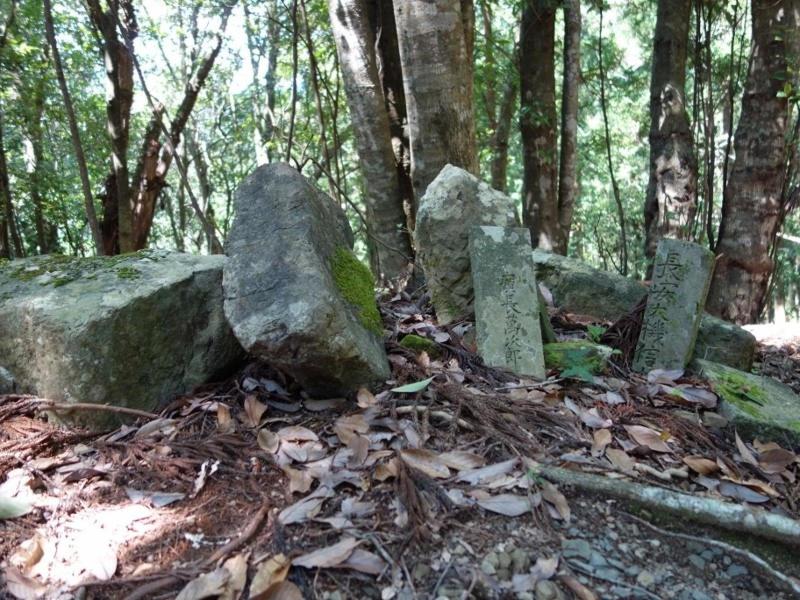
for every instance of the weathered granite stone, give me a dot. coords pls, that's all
(131, 330)
(509, 334)
(681, 278)
(453, 203)
(756, 406)
(579, 288)
(295, 294)
(8, 384)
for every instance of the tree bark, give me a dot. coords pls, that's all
(10, 238)
(502, 133)
(77, 147)
(671, 200)
(568, 169)
(118, 234)
(538, 122)
(390, 245)
(44, 230)
(752, 206)
(435, 41)
(390, 72)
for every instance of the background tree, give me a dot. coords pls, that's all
(753, 209)
(671, 200)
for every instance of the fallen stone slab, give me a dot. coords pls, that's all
(130, 331)
(579, 288)
(453, 204)
(295, 294)
(507, 311)
(681, 278)
(757, 406)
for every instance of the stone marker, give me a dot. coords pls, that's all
(453, 203)
(130, 331)
(295, 294)
(576, 287)
(506, 300)
(681, 278)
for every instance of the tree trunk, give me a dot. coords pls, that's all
(390, 72)
(77, 147)
(502, 133)
(390, 246)
(671, 199)
(538, 122)
(568, 169)
(118, 211)
(752, 206)
(9, 237)
(44, 231)
(435, 49)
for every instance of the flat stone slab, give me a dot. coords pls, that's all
(507, 324)
(131, 330)
(577, 356)
(295, 294)
(758, 406)
(455, 202)
(681, 278)
(580, 288)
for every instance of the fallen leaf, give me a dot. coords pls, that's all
(386, 470)
(411, 388)
(283, 590)
(488, 473)
(553, 496)
(613, 398)
(21, 586)
(331, 556)
(620, 459)
(703, 466)
(775, 460)
(268, 441)
(225, 423)
(304, 509)
(253, 410)
(297, 433)
(601, 438)
(269, 573)
(322, 405)
(741, 492)
(208, 585)
(644, 436)
(237, 567)
(510, 505)
(744, 451)
(462, 461)
(426, 461)
(157, 499)
(365, 398)
(206, 469)
(664, 375)
(364, 562)
(349, 425)
(299, 480)
(11, 508)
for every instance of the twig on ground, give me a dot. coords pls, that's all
(247, 533)
(45, 404)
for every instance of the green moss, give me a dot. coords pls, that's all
(735, 388)
(62, 269)
(354, 280)
(128, 273)
(576, 354)
(417, 343)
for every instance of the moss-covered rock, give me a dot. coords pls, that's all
(417, 343)
(757, 406)
(577, 356)
(131, 330)
(354, 281)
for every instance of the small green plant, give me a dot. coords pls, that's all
(595, 332)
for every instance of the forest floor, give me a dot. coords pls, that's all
(249, 489)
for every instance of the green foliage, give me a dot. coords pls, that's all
(579, 358)
(595, 332)
(417, 343)
(354, 280)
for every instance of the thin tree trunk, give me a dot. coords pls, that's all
(435, 41)
(752, 210)
(623, 267)
(568, 169)
(538, 122)
(671, 199)
(293, 108)
(502, 133)
(44, 235)
(118, 233)
(390, 245)
(12, 241)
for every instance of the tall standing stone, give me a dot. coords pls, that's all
(681, 278)
(295, 294)
(455, 202)
(506, 300)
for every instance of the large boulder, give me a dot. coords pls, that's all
(453, 203)
(295, 294)
(130, 331)
(582, 289)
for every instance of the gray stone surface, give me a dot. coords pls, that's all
(295, 294)
(681, 278)
(755, 405)
(132, 330)
(455, 202)
(579, 288)
(8, 384)
(509, 334)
